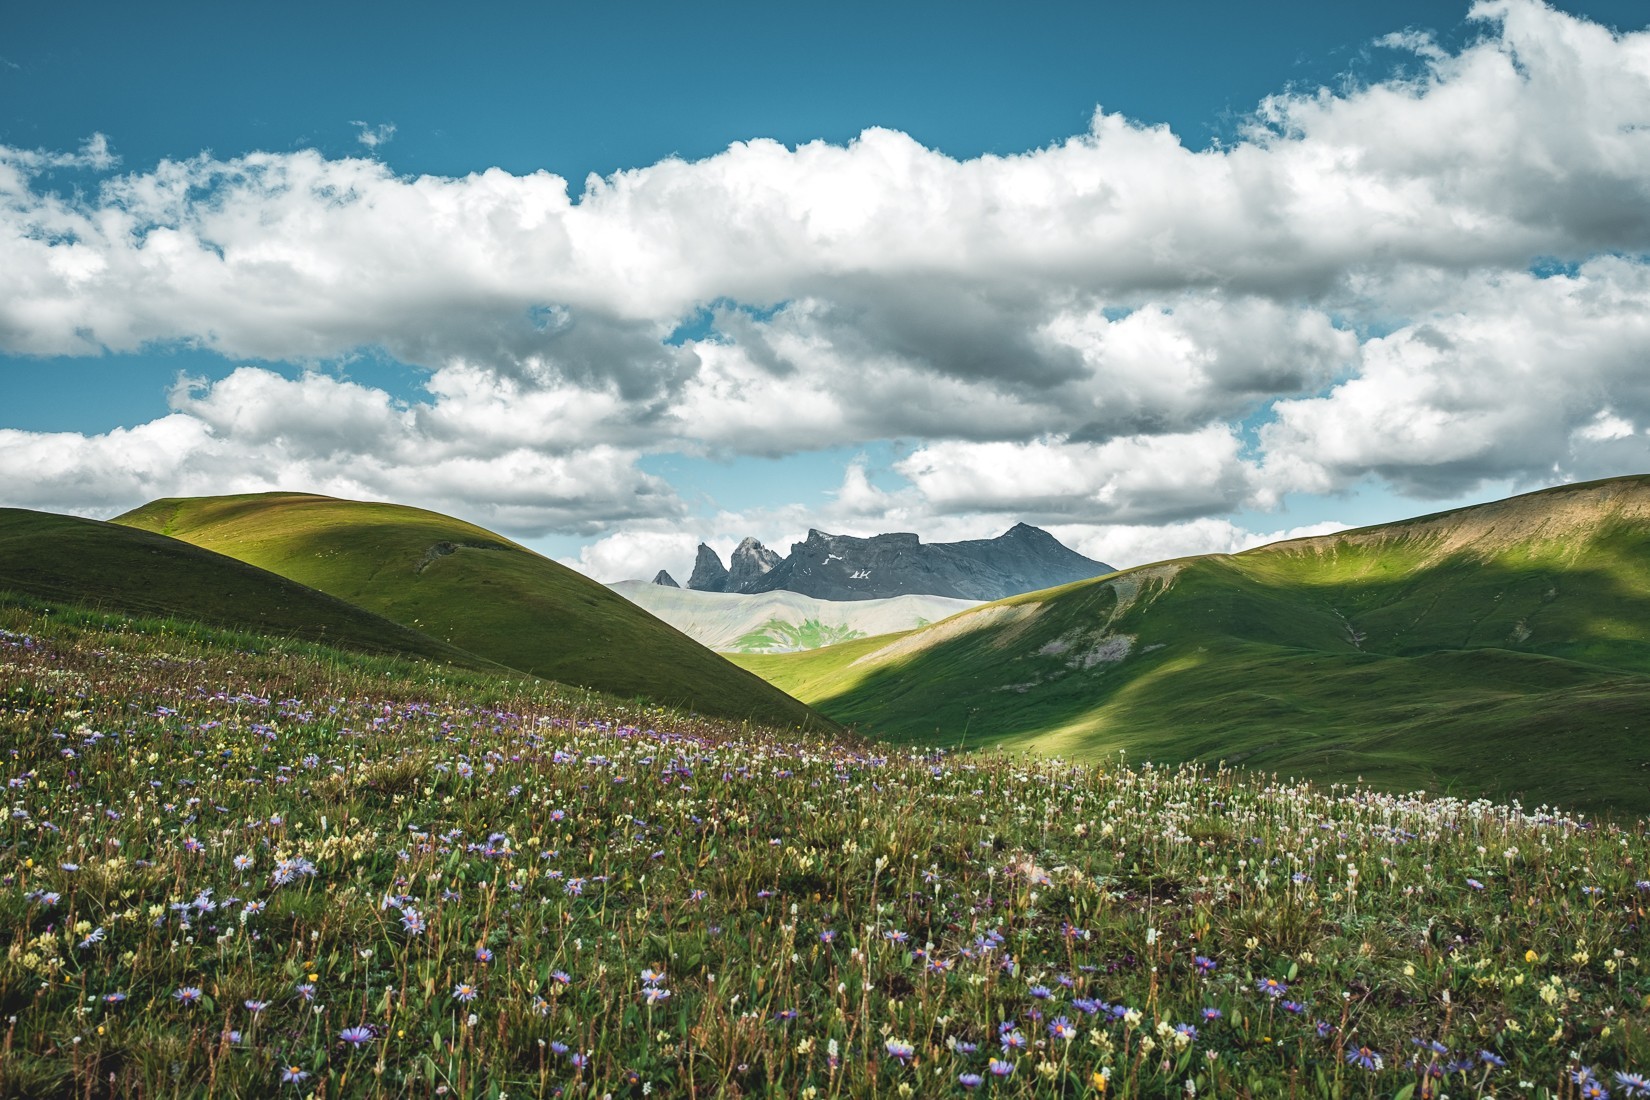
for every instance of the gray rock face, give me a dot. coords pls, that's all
(709, 574)
(663, 577)
(751, 562)
(842, 567)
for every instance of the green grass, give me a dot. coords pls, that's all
(103, 565)
(808, 634)
(229, 859)
(1502, 650)
(473, 589)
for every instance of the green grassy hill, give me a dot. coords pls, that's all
(1502, 649)
(63, 559)
(474, 589)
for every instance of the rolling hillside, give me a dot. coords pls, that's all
(780, 622)
(64, 559)
(1502, 649)
(474, 589)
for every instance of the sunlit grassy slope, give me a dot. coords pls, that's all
(103, 565)
(475, 589)
(1502, 649)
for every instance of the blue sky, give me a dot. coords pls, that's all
(969, 284)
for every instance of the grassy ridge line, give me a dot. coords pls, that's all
(1502, 650)
(477, 590)
(66, 559)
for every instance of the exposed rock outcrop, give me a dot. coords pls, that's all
(709, 574)
(845, 567)
(663, 577)
(751, 562)
(842, 567)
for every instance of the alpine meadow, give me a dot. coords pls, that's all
(920, 551)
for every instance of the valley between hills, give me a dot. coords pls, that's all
(313, 794)
(1498, 651)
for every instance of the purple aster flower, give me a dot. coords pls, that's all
(1061, 1028)
(187, 994)
(355, 1036)
(970, 1080)
(1210, 1015)
(1271, 987)
(1364, 1058)
(1000, 1068)
(1204, 964)
(1633, 1084)
(465, 992)
(292, 1075)
(900, 1050)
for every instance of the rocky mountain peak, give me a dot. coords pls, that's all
(663, 577)
(709, 574)
(751, 561)
(851, 567)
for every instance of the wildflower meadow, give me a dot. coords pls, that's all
(239, 867)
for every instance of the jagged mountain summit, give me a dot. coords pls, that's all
(663, 577)
(709, 574)
(844, 567)
(751, 562)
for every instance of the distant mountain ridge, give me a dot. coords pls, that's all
(845, 567)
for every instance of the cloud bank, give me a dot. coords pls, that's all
(1437, 281)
